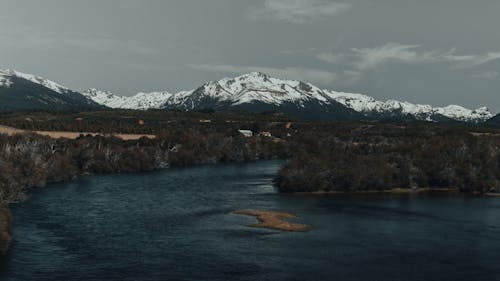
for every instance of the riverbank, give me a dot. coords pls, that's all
(394, 191)
(5, 230)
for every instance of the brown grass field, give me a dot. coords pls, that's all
(70, 135)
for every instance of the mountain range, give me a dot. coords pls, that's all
(252, 92)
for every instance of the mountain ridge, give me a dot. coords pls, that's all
(259, 88)
(252, 92)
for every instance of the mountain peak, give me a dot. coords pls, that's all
(256, 74)
(254, 77)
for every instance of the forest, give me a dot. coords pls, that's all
(323, 156)
(389, 156)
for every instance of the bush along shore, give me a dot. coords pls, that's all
(371, 161)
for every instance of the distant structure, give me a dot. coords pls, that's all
(246, 133)
(141, 122)
(79, 122)
(288, 125)
(266, 134)
(205, 121)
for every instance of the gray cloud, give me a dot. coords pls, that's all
(296, 73)
(32, 37)
(486, 75)
(368, 58)
(391, 52)
(298, 11)
(466, 61)
(330, 57)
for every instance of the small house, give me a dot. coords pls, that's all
(246, 133)
(265, 134)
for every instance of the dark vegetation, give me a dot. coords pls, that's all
(325, 156)
(354, 158)
(157, 122)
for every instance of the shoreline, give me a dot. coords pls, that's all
(6, 229)
(394, 191)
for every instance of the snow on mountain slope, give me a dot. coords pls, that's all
(153, 100)
(140, 101)
(463, 114)
(6, 80)
(260, 87)
(106, 98)
(368, 105)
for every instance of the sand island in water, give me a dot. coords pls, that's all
(275, 220)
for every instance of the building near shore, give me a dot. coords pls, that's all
(265, 134)
(246, 133)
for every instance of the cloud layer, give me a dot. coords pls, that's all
(370, 58)
(298, 11)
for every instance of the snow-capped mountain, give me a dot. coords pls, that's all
(253, 92)
(252, 88)
(106, 98)
(258, 92)
(392, 108)
(20, 91)
(140, 101)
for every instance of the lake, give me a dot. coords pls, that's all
(179, 224)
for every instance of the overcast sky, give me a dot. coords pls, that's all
(427, 51)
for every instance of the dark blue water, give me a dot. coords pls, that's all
(178, 225)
